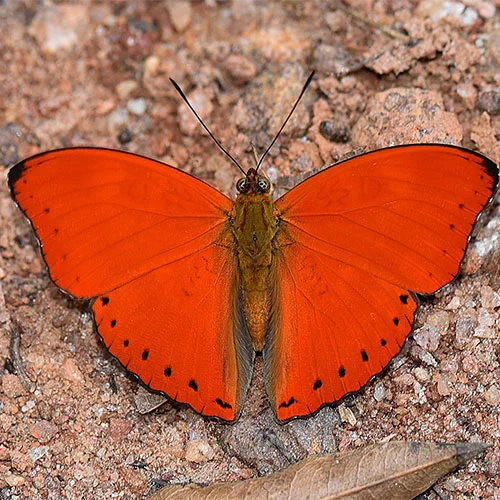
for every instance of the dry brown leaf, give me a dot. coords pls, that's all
(398, 470)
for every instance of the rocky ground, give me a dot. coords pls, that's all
(96, 73)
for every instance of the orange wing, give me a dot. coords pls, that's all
(152, 244)
(355, 241)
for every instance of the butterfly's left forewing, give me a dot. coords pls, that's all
(354, 242)
(106, 217)
(151, 245)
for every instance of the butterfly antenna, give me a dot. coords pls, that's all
(221, 147)
(308, 82)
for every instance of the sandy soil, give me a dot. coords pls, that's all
(96, 73)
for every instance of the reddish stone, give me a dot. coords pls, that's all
(119, 427)
(12, 386)
(43, 431)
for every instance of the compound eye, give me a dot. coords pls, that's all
(264, 184)
(241, 185)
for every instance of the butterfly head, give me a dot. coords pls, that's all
(254, 183)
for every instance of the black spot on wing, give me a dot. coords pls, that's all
(403, 298)
(145, 354)
(287, 404)
(126, 343)
(383, 342)
(364, 356)
(317, 384)
(104, 301)
(395, 321)
(341, 372)
(112, 323)
(193, 385)
(223, 404)
(167, 371)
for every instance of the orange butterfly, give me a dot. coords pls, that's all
(186, 284)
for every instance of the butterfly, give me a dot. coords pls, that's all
(186, 284)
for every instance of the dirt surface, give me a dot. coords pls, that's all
(96, 73)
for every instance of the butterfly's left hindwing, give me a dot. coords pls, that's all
(180, 334)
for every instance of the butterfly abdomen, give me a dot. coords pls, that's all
(254, 227)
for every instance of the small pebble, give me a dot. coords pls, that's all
(125, 136)
(427, 338)
(346, 415)
(119, 427)
(449, 365)
(443, 386)
(125, 88)
(198, 451)
(453, 304)
(13, 479)
(137, 106)
(12, 386)
(485, 324)
(335, 20)
(492, 395)
(180, 14)
(117, 119)
(70, 371)
(20, 461)
(379, 392)
(334, 132)
(486, 10)
(490, 299)
(437, 9)
(59, 27)
(38, 452)
(470, 364)
(490, 102)
(43, 431)
(406, 379)
(241, 69)
(468, 93)
(421, 374)
(44, 410)
(151, 65)
(4, 453)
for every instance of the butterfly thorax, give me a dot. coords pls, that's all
(254, 227)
